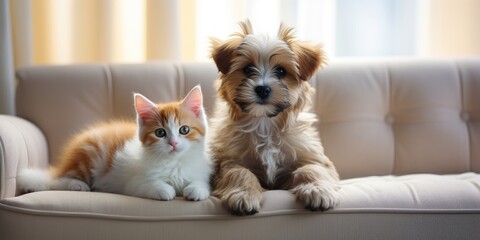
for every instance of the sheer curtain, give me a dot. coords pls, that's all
(75, 31)
(353, 28)
(84, 31)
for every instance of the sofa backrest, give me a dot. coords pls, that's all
(375, 118)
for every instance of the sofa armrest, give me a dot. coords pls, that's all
(22, 145)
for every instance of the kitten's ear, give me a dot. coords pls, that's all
(194, 101)
(145, 108)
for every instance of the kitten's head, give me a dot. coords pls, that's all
(173, 128)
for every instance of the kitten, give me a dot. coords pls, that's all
(160, 157)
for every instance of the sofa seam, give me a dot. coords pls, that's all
(2, 168)
(390, 111)
(414, 194)
(462, 110)
(108, 75)
(181, 83)
(212, 217)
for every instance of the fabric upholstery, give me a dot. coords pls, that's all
(382, 118)
(404, 135)
(420, 206)
(409, 193)
(22, 144)
(361, 226)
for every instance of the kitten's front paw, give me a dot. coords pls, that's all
(77, 185)
(323, 196)
(243, 203)
(196, 192)
(165, 193)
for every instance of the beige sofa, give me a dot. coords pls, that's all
(404, 135)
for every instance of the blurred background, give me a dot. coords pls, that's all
(129, 31)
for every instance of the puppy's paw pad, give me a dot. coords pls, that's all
(243, 203)
(318, 196)
(196, 193)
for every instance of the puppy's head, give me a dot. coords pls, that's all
(263, 76)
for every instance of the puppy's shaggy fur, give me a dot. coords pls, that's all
(262, 135)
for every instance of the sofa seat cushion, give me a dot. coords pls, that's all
(425, 192)
(418, 193)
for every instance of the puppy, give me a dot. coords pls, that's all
(262, 135)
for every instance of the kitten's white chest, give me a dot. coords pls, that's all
(171, 172)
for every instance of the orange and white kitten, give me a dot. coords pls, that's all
(160, 157)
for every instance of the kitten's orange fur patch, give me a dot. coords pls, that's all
(99, 141)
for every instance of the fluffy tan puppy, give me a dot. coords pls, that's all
(261, 134)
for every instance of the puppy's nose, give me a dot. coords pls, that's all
(263, 91)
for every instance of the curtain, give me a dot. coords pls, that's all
(78, 31)
(451, 28)
(6, 61)
(124, 31)
(84, 31)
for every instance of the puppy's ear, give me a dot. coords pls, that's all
(246, 27)
(309, 58)
(223, 53)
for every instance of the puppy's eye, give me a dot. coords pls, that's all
(184, 130)
(249, 69)
(160, 132)
(280, 72)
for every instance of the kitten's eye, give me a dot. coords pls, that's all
(280, 72)
(184, 130)
(249, 69)
(160, 132)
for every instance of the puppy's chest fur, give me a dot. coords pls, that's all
(265, 151)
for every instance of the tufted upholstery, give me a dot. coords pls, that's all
(404, 135)
(401, 117)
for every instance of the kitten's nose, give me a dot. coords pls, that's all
(173, 143)
(263, 91)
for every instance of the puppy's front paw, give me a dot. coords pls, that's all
(323, 196)
(243, 203)
(194, 192)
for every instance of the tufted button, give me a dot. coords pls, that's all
(389, 118)
(465, 116)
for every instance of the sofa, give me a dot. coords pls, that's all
(403, 133)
